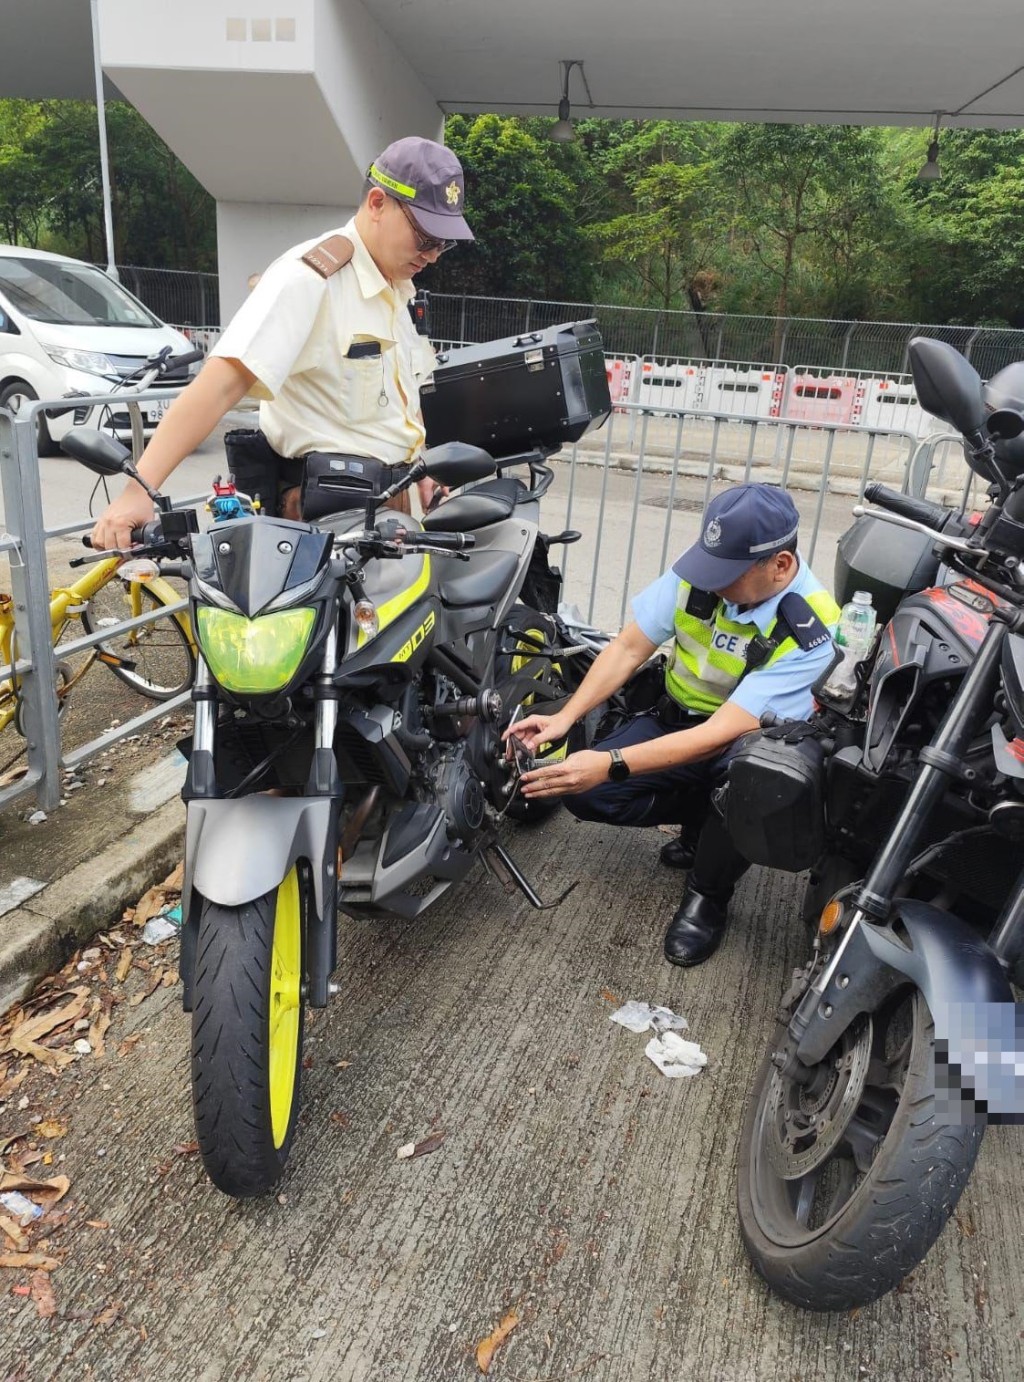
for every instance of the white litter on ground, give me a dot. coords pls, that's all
(642, 1017)
(674, 1057)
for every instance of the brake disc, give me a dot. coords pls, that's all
(803, 1126)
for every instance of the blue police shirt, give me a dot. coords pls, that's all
(784, 687)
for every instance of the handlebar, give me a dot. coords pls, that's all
(918, 510)
(452, 542)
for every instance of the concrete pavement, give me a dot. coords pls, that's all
(575, 1184)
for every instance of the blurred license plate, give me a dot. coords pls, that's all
(156, 410)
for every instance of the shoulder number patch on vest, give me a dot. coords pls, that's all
(330, 255)
(802, 622)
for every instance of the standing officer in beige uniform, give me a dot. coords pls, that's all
(325, 342)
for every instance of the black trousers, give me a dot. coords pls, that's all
(680, 795)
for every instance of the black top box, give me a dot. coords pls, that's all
(543, 388)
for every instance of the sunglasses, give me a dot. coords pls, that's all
(425, 244)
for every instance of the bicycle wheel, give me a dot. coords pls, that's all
(155, 660)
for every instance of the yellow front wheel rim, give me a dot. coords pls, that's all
(285, 1005)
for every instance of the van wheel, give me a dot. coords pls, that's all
(18, 395)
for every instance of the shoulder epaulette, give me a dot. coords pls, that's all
(802, 622)
(330, 255)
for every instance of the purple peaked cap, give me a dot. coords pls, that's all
(428, 179)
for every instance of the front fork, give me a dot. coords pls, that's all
(323, 782)
(843, 988)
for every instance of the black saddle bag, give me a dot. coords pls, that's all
(335, 484)
(774, 802)
(257, 469)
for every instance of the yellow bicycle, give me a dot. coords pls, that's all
(157, 659)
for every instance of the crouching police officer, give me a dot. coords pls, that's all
(752, 632)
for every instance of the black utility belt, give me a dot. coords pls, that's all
(675, 716)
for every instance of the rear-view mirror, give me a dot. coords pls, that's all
(947, 385)
(102, 454)
(456, 463)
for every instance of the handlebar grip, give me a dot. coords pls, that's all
(454, 542)
(87, 541)
(920, 510)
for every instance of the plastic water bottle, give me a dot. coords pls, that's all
(855, 635)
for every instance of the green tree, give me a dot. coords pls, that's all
(811, 206)
(521, 207)
(21, 199)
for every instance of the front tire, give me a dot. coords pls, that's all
(247, 1023)
(847, 1230)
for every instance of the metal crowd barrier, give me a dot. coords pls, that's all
(682, 453)
(35, 665)
(672, 458)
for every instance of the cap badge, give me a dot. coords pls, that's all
(452, 194)
(713, 533)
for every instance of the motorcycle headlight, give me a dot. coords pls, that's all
(254, 656)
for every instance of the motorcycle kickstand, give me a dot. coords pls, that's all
(499, 862)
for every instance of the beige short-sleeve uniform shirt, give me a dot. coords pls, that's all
(294, 333)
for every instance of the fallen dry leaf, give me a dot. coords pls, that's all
(486, 1348)
(428, 1144)
(154, 983)
(49, 1127)
(12, 1230)
(169, 978)
(175, 880)
(150, 904)
(25, 1037)
(96, 1223)
(96, 1033)
(186, 1148)
(42, 1293)
(10, 1086)
(44, 1192)
(124, 964)
(108, 1315)
(38, 1261)
(129, 1043)
(608, 996)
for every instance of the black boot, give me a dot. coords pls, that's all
(681, 853)
(696, 930)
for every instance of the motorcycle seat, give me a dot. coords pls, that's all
(476, 507)
(480, 581)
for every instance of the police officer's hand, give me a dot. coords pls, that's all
(114, 526)
(539, 729)
(577, 773)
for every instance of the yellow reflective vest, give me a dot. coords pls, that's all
(710, 654)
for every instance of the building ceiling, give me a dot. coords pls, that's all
(871, 63)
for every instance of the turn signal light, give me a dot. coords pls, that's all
(831, 916)
(365, 615)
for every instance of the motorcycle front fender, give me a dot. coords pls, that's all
(238, 849)
(966, 990)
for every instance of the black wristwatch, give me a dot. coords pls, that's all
(618, 769)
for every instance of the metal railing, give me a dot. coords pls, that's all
(872, 347)
(642, 482)
(638, 485)
(35, 667)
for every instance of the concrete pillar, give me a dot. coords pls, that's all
(278, 107)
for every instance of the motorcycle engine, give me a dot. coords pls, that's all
(460, 795)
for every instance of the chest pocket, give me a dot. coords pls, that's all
(365, 382)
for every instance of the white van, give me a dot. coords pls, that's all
(66, 328)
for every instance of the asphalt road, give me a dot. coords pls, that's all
(575, 1186)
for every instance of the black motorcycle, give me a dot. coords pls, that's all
(354, 680)
(895, 1043)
